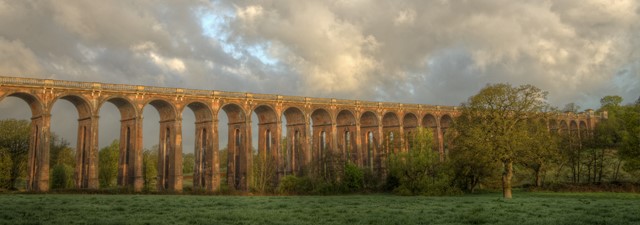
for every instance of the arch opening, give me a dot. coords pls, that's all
(24, 111)
(119, 152)
(390, 128)
(322, 133)
(237, 156)
(445, 123)
(370, 131)
(346, 123)
(295, 137)
(410, 123)
(200, 154)
(83, 158)
(169, 166)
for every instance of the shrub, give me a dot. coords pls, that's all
(419, 171)
(295, 185)
(108, 160)
(61, 177)
(353, 178)
(5, 170)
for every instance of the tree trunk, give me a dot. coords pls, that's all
(615, 174)
(601, 165)
(578, 169)
(506, 179)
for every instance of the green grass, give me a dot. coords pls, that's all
(488, 208)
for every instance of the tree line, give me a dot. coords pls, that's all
(501, 139)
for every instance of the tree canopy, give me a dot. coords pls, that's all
(494, 122)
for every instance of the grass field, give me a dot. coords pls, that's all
(489, 208)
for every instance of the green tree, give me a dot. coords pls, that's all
(62, 162)
(224, 161)
(468, 159)
(61, 151)
(14, 139)
(617, 135)
(543, 149)
(496, 120)
(188, 163)
(61, 176)
(108, 169)
(419, 171)
(150, 167)
(5, 169)
(630, 145)
(264, 173)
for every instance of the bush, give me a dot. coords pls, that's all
(295, 185)
(353, 178)
(61, 177)
(108, 160)
(5, 170)
(149, 168)
(264, 174)
(419, 171)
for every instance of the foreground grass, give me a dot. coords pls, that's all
(525, 208)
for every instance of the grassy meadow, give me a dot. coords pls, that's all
(487, 208)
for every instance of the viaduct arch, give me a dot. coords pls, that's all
(357, 131)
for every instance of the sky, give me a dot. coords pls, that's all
(436, 52)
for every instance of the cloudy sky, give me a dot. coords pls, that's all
(434, 52)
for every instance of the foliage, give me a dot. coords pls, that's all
(264, 173)
(224, 161)
(108, 169)
(494, 122)
(630, 146)
(5, 169)
(61, 152)
(62, 162)
(610, 152)
(188, 163)
(353, 179)
(468, 161)
(61, 176)
(542, 151)
(419, 171)
(150, 167)
(295, 185)
(14, 139)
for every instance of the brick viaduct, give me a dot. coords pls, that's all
(351, 128)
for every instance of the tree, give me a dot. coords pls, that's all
(495, 122)
(61, 152)
(543, 149)
(108, 169)
(618, 134)
(188, 163)
(264, 173)
(14, 142)
(62, 163)
(630, 144)
(610, 102)
(571, 107)
(468, 159)
(5, 169)
(150, 167)
(419, 171)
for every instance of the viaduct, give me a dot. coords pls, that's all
(355, 130)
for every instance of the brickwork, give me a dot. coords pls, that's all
(356, 130)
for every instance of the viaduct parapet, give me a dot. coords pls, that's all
(362, 132)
